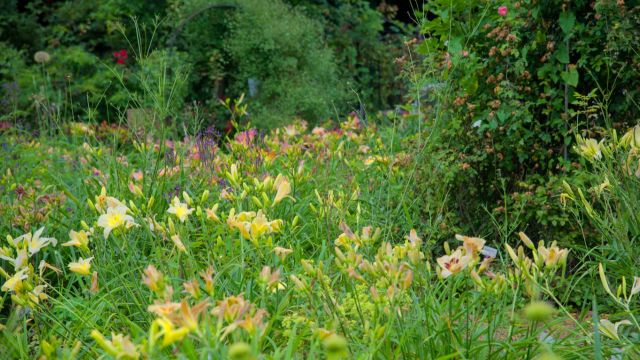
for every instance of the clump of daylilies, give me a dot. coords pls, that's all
(546, 261)
(25, 285)
(176, 320)
(466, 259)
(623, 298)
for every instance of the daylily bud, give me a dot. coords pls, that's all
(308, 267)
(476, 278)
(265, 199)
(539, 311)
(240, 351)
(91, 206)
(525, 239)
(133, 206)
(300, 284)
(85, 226)
(604, 281)
(447, 249)
(187, 198)
(335, 346)
(256, 201)
(408, 279)
(172, 227)
(205, 196)
(512, 254)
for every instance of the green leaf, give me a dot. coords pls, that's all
(567, 22)
(562, 54)
(571, 77)
(503, 116)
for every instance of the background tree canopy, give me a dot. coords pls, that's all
(312, 59)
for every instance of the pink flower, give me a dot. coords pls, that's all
(502, 11)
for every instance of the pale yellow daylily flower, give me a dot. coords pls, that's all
(553, 255)
(104, 202)
(35, 242)
(591, 149)
(454, 263)
(19, 261)
(636, 285)
(610, 329)
(472, 245)
(284, 188)
(114, 218)
(14, 283)
(179, 209)
(79, 239)
(82, 266)
(252, 225)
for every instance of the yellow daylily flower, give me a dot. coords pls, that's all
(169, 332)
(119, 346)
(79, 239)
(284, 188)
(591, 149)
(252, 225)
(14, 283)
(114, 218)
(19, 261)
(179, 209)
(82, 266)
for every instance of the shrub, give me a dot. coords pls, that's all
(505, 82)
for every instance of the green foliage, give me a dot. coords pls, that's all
(294, 72)
(290, 61)
(504, 87)
(366, 42)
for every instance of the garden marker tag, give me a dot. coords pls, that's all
(489, 251)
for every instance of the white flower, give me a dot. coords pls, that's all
(179, 209)
(34, 242)
(114, 218)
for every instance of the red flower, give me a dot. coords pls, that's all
(120, 56)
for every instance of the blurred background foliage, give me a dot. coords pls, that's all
(312, 59)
